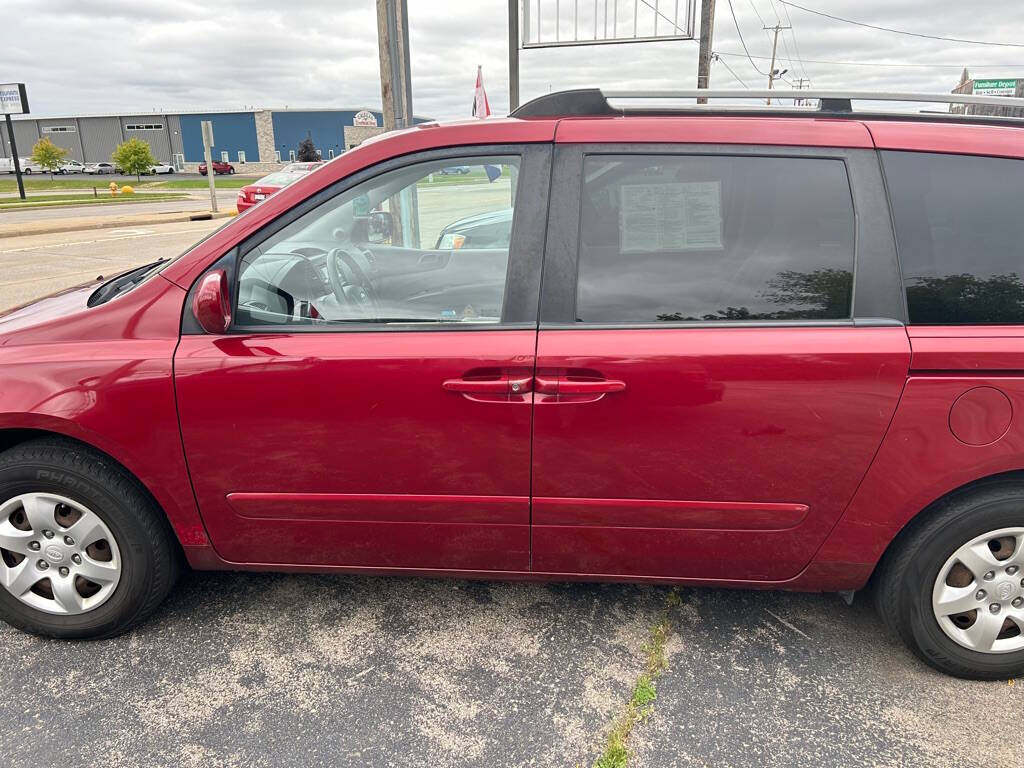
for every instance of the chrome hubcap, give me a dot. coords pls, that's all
(56, 555)
(978, 597)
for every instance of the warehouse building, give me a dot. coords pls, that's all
(256, 141)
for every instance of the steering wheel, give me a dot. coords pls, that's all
(349, 282)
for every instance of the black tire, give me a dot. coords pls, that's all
(151, 559)
(903, 583)
(27, 171)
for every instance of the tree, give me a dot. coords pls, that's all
(307, 151)
(133, 156)
(49, 155)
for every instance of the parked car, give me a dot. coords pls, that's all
(160, 168)
(98, 168)
(219, 167)
(697, 361)
(257, 192)
(71, 166)
(492, 229)
(454, 170)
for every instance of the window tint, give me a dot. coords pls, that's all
(410, 245)
(960, 234)
(670, 238)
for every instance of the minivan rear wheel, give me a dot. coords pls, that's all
(84, 551)
(953, 586)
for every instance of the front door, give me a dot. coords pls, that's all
(705, 403)
(372, 404)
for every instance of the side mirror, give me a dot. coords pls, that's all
(211, 303)
(382, 227)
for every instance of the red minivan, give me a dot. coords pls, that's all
(776, 350)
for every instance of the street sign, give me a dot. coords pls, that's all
(995, 88)
(13, 99)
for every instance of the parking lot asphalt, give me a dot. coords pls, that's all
(269, 670)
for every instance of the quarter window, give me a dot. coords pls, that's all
(960, 235)
(671, 238)
(413, 245)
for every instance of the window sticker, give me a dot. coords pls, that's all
(684, 216)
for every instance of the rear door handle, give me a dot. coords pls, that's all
(577, 385)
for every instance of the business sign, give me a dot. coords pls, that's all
(995, 87)
(365, 118)
(13, 100)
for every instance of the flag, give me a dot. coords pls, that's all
(481, 108)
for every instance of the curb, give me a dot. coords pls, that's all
(77, 225)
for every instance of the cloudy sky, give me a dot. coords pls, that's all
(87, 56)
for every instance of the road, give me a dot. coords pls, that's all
(36, 265)
(267, 670)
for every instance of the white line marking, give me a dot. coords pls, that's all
(786, 623)
(44, 247)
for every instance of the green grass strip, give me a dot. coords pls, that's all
(641, 700)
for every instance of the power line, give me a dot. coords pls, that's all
(742, 41)
(901, 31)
(792, 33)
(724, 63)
(882, 64)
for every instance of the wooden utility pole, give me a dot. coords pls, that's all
(775, 44)
(395, 80)
(707, 29)
(513, 55)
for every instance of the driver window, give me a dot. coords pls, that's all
(427, 243)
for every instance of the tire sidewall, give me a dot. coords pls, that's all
(935, 646)
(135, 550)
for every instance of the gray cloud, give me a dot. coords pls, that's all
(82, 56)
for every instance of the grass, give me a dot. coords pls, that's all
(58, 201)
(33, 184)
(641, 700)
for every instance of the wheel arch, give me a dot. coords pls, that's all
(1008, 477)
(185, 522)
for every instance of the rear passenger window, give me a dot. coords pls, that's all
(708, 238)
(960, 231)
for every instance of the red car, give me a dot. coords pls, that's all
(219, 167)
(260, 190)
(773, 350)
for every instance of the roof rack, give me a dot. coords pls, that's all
(595, 102)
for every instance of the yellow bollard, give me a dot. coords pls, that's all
(113, 188)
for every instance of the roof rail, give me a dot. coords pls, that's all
(595, 102)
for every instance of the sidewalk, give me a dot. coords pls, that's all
(78, 223)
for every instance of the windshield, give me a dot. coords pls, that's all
(279, 179)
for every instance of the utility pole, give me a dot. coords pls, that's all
(707, 28)
(513, 55)
(207, 129)
(395, 80)
(800, 85)
(772, 74)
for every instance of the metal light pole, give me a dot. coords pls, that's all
(207, 127)
(14, 156)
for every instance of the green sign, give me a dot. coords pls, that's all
(995, 87)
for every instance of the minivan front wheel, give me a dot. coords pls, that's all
(953, 587)
(84, 552)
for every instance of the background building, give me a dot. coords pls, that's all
(252, 140)
(989, 86)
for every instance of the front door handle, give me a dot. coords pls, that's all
(502, 384)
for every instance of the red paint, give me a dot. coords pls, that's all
(366, 414)
(699, 129)
(991, 140)
(980, 416)
(764, 457)
(745, 415)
